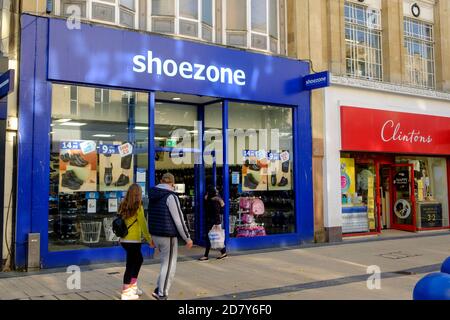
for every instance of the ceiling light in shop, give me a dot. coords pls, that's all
(103, 135)
(73, 124)
(160, 138)
(176, 99)
(141, 128)
(63, 120)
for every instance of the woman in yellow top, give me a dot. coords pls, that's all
(132, 212)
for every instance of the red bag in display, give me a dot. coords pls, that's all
(257, 207)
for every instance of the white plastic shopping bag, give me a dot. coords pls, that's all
(217, 237)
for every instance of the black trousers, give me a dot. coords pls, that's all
(208, 244)
(134, 261)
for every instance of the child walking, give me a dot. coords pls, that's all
(132, 212)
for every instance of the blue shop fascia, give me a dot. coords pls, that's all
(91, 100)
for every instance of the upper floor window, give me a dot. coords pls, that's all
(256, 24)
(363, 42)
(120, 12)
(191, 18)
(419, 51)
(253, 24)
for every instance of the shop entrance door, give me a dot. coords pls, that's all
(184, 129)
(403, 212)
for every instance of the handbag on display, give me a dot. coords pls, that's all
(257, 207)
(245, 203)
(217, 237)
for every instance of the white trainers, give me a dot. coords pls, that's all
(129, 294)
(136, 290)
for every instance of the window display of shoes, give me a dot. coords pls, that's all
(122, 181)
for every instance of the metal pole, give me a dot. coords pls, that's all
(2, 185)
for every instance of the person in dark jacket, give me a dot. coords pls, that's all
(166, 223)
(213, 211)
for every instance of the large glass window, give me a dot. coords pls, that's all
(97, 151)
(431, 190)
(363, 42)
(419, 50)
(261, 156)
(253, 23)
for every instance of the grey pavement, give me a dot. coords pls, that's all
(311, 273)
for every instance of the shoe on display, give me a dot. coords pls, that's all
(65, 157)
(108, 176)
(125, 162)
(74, 177)
(252, 166)
(285, 167)
(129, 294)
(69, 182)
(273, 179)
(248, 183)
(77, 161)
(284, 182)
(122, 181)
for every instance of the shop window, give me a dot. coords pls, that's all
(419, 48)
(261, 158)
(253, 23)
(431, 191)
(93, 161)
(358, 187)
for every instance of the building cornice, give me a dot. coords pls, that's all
(389, 87)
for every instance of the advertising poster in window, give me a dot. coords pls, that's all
(254, 171)
(348, 183)
(115, 166)
(77, 166)
(280, 171)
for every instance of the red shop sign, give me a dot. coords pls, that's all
(387, 131)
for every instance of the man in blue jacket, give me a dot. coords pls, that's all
(166, 224)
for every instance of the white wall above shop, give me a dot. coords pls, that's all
(336, 96)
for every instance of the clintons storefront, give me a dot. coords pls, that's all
(389, 155)
(102, 108)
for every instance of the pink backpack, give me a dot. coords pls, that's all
(245, 203)
(257, 207)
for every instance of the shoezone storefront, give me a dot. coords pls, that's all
(102, 108)
(390, 159)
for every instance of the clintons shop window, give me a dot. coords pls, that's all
(261, 156)
(99, 147)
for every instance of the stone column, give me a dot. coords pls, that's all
(393, 51)
(442, 45)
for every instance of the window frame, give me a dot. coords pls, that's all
(249, 32)
(117, 8)
(409, 40)
(176, 18)
(370, 30)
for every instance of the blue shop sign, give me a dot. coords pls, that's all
(105, 56)
(316, 80)
(6, 83)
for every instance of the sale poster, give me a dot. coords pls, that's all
(348, 183)
(116, 171)
(77, 166)
(280, 171)
(254, 171)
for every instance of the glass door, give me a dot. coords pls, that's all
(403, 197)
